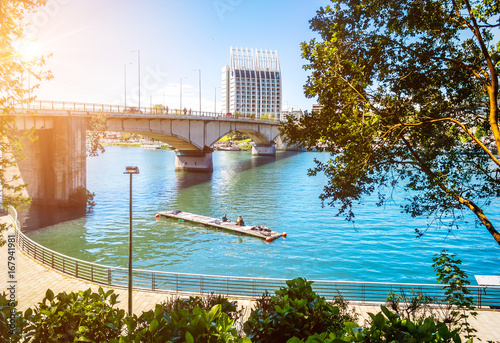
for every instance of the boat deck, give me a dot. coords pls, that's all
(261, 232)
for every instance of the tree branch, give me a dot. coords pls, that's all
(456, 122)
(465, 202)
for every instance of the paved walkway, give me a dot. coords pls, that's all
(33, 279)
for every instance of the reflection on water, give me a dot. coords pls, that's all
(189, 179)
(35, 216)
(271, 191)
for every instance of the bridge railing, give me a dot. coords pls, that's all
(232, 286)
(132, 110)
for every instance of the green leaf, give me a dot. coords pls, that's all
(153, 326)
(189, 338)
(49, 295)
(215, 312)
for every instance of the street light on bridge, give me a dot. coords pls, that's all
(130, 170)
(139, 77)
(181, 92)
(199, 81)
(125, 81)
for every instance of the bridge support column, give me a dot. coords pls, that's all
(264, 150)
(55, 164)
(193, 161)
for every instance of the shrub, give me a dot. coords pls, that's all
(75, 317)
(387, 326)
(413, 306)
(205, 303)
(459, 302)
(182, 325)
(82, 197)
(12, 322)
(297, 311)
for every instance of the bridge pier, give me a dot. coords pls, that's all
(55, 164)
(264, 150)
(199, 161)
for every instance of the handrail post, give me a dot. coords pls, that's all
(479, 302)
(153, 281)
(76, 269)
(363, 293)
(109, 276)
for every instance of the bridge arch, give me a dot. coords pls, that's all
(194, 137)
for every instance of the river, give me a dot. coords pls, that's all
(271, 191)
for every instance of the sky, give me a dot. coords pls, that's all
(95, 42)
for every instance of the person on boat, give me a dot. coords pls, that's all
(240, 221)
(224, 218)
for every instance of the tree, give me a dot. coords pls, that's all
(125, 136)
(96, 129)
(400, 83)
(15, 69)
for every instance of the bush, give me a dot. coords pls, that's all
(181, 325)
(82, 197)
(387, 326)
(12, 322)
(205, 303)
(459, 301)
(75, 317)
(295, 311)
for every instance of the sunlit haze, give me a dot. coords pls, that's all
(94, 45)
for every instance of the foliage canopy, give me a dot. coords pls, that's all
(401, 83)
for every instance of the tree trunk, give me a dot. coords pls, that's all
(482, 217)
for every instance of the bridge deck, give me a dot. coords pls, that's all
(229, 226)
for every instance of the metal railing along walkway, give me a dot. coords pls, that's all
(232, 286)
(130, 110)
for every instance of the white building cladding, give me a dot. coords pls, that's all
(251, 84)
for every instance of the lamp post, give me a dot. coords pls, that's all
(199, 81)
(181, 93)
(215, 100)
(139, 72)
(130, 170)
(125, 82)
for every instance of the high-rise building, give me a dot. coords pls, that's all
(251, 84)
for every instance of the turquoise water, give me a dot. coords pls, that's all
(272, 191)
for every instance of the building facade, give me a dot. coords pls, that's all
(251, 84)
(294, 112)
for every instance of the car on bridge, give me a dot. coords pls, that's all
(132, 110)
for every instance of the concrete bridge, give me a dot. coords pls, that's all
(55, 164)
